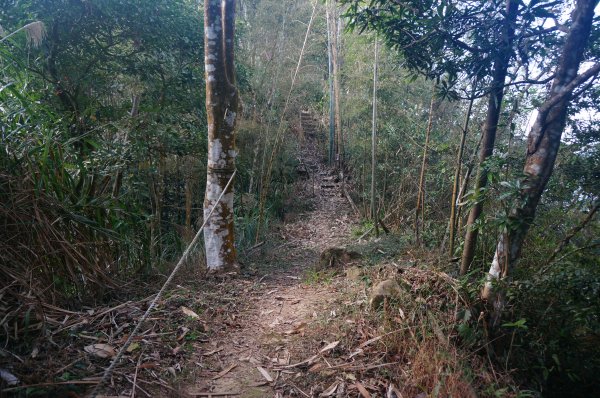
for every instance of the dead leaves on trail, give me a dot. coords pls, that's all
(100, 350)
(81, 344)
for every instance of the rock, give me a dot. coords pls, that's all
(335, 257)
(388, 289)
(354, 273)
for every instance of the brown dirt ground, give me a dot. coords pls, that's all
(276, 319)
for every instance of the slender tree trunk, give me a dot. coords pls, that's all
(542, 148)
(336, 84)
(158, 188)
(374, 138)
(188, 173)
(331, 90)
(457, 172)
(221, 109)
(421, 189)
(463, 188)
(501, 62)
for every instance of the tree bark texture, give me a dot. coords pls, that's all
(501, 63)
(221, 110)
(542, 148)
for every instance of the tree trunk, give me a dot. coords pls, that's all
(501, 62)
(331, 91)
(336, 84)
(542, 148)
(421, 189)
(374, 139)
(461, 149)
(221, 110)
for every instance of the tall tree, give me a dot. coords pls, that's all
(221, 110)
(457, 175)
(542, 148)
(420, 207)
(331, 90)
(334, 27)
(374, 138)
(501, 62)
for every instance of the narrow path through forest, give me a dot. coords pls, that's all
(279, 304)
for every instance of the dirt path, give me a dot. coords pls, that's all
(278, 305)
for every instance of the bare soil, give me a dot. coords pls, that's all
(283, 302)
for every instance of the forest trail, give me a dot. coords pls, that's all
(278, 304)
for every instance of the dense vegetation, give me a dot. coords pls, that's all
(103, 159)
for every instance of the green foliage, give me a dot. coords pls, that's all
(73, 150)
(562, 340)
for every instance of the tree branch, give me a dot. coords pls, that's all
(568, 89)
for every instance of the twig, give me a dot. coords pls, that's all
(50, 384)
(138, 387)
(137, 367)
(59, 371)
(373, 227)
(297, 388)
(256, 246)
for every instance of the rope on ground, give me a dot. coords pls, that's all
(109, 371)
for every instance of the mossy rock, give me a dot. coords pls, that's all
(386, 290)
(336, 257)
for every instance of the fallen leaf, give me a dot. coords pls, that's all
(392, 392)
(224, 372)
(9, 378)
(254, 361)
(316, 367)
(265, 374)
(184, 331)
(133, 346)
(355, 353)
(329, 347)
(362, 390)
(401, 313)
(331, 390)
(259, 384)
(371, 341)
(100, 350)
(188, 312)
(297, 329)
(213, 352)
